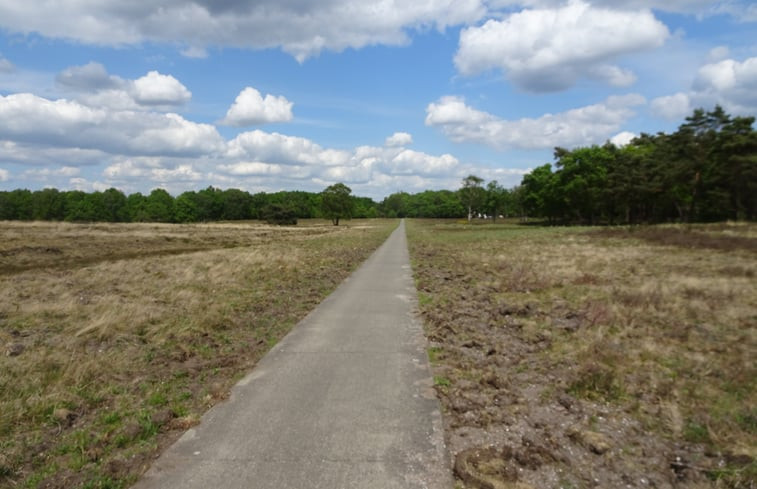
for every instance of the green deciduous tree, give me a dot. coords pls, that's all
(336, 203)
(472, 194)
(497, 199)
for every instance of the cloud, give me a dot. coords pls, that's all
(250, 109)
(588, 125)
(622, 138)
(4, 175)
(718, 53)
(671, 107)
(549, 49)
(729, 83)
(699, 7)
(257, 153)
(62, 123)
(409, 162)
(282, 149)
(6, 66)
(398, 139)
(62, 143)
(194, 52)
(44, 173)
(301, 28)
(90, 77)
(93, 86)
(157, 89)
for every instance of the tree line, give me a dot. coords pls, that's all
(214, 204)
(705, 171)
(210, 204)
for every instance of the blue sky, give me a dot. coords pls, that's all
(384, 96)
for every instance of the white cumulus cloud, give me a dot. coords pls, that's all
(301, 28)
(251, 108)
(671, 107)
(69, 124)
(622, 138)
(260, 154)
(157, 89)
(399, 139)
(591, 124)
(92, 85)
(279, 148)
(729, 83)
(549, 49)
(4, 175)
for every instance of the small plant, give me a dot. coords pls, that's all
(433, 354)
(696, 432)
(596, 381)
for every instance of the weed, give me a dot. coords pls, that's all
(157, 399)
(696, 433)
(598, 382)
(434, 353)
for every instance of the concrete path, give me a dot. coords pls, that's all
(344, 401)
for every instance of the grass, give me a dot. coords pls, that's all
(657, 323)
(117, 338)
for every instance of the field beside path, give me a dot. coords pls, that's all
(116, 338)
(582, 358)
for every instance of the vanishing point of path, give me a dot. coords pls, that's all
(344, 401)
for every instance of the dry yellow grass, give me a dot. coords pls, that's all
(116, 337)
(648, 337)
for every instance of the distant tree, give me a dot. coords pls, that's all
(539, 195)
(209, 204)
(236, 205)
(280, 214)
(75, 208)
(114, 205)
(186, 208)
(395, 205)
(159, 206)
(48, 205)
(497, 198)
(16, 205)
(135, 207)
(364, 207)
(582, 178)
(472, 194)
(336, 203)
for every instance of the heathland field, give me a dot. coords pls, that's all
(117, 337)
(578, 358)
(563, 357)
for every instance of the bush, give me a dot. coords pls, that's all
(280, 215)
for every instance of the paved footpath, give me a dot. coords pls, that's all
(344, 401)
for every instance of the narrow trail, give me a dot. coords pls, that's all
(344, 401)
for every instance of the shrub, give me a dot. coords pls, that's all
(280, 215)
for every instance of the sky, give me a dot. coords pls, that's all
(383, 96)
